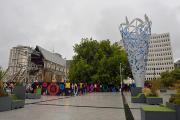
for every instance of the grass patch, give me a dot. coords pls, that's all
(152, 97)
(14, 97)
(138, 95)
(153, 108)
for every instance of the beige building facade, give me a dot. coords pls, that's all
(27, 64)
(160, 56)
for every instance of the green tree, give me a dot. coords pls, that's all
(176, 74)
(1, 83)
(1, 73)
(168, 78)
(98, 62)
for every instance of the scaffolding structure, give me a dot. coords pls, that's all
(20, 65)
(27, 65)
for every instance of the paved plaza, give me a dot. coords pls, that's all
(92, 106)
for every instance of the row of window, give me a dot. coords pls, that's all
(159, 50)
(158, 73)
(160, 59)
(166, 63)
(161, 36)
(149, 78)
(159, 45)
(54, 67)
(163, 68)
(159, 54)
(159, 41)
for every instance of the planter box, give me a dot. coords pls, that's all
(157, 113)
(5, 103)
(154, 100)
(17, 104)
(135, 91)
(176, 108)
(140, 98)
(20, 91)
(32, 96)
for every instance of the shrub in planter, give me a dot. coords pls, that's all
(152, 95)
(146, 91)
(155, 85)
(174, 101)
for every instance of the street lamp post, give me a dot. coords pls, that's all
(154, 73)
(120, 69)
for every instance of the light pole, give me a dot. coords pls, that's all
(154, 73)
(120, 69)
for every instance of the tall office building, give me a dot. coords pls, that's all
(160, 57)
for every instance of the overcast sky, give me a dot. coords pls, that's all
(59, 24)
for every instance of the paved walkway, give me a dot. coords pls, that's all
(94, 106)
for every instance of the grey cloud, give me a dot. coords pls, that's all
(59, 24)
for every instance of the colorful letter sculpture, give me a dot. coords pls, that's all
(135, 36)
(53, 89)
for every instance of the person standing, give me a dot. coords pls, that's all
(11, 87)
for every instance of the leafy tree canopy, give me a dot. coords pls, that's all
(1, 72)
(98, 62)
(170, 77)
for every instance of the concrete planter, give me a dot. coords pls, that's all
(140, 98)
(154, 100)
(32, 96)
(176, 108)
(157, 115)
(5, 103)
(135, 91)
(17, 104)
(20, 91)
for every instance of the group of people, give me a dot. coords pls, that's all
(67, 88)
(8, 87)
